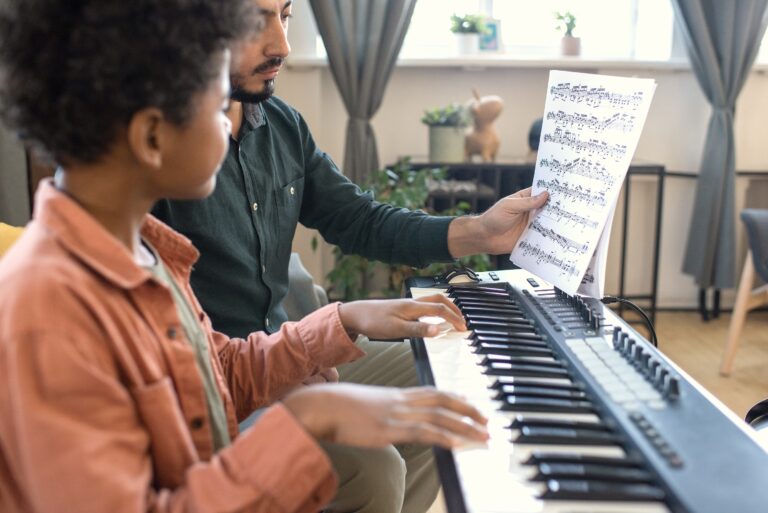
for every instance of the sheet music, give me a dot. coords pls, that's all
(590, 131)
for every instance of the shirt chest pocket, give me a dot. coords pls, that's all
(289, 197)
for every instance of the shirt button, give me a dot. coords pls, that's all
(171, 332)
(266, 321)
(196, 423)
(255, 207)
(292, 191)
(263, 268)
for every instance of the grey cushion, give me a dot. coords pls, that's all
(756, 222)
(304, 296)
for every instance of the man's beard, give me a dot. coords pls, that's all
(239, 94)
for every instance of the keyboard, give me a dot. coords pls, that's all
(585, 415)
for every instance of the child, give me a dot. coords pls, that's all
(115, 393)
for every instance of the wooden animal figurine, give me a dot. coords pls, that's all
(482, 139)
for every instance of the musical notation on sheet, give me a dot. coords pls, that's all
(579, 166)
(553, 211)
(590, 131)
(595, 97)
(592, 147)
(619, 121)
(574, 193)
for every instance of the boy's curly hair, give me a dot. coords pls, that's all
(73, 71)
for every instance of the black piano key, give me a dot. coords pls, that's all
(512, 349)
(495, 317)
(590, 471)
(477, 293)
(535, 371)
(487, 310)
(519, 344)
(538, 457)
(501, 381)
(522, 420)
(490, 303)
(483, 324)
(521, 360)
(541, 404)
(577, 489)
(524, 333)
(519, 391)
(564, 436)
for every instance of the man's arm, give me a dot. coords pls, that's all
(354, 221)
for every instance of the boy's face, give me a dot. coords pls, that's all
(260, 59)
(199, 146)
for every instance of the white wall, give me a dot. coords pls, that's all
(673, 135)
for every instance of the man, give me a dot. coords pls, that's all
(275, 177)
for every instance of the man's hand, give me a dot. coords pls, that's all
(398, 318)
(497, 230)
(365, 416)
(329, 375)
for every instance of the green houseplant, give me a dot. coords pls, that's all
(400, 186)
(447, 127)
(468, 29)
(569, 44)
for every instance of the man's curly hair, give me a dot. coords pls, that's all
(72, 72)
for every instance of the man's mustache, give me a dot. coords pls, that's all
(272, 63)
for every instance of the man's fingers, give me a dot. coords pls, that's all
(524, 203)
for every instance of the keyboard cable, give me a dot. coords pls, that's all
(608, 300)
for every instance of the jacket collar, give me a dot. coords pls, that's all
(92, 244)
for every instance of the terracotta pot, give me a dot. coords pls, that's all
(570, 46)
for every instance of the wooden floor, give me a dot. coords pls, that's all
(697, 347)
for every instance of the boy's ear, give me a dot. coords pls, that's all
(145, 137)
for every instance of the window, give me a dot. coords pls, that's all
(619, 29)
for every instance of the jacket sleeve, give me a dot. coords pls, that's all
(354, 221)
(261, 368)
(72, 438)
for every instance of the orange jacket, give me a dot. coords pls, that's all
(102, 407)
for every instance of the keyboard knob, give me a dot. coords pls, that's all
(637, 353)
(661, 377)
(672, 390)
(616, 337)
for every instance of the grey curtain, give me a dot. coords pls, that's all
(722, 39)
(363, 39)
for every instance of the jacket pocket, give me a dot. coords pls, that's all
(171, 443)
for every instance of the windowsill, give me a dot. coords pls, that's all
(498, 60)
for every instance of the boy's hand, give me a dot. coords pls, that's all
(365, 416)
(398, 318)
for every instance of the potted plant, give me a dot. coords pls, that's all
(569, 44)
(468, 29)
(447, 126)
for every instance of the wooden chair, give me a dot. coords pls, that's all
(747, 297)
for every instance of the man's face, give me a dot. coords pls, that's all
(260, 59)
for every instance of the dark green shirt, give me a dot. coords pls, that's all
(273, 178)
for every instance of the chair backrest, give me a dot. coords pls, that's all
(8, 235)
(304, 295)
(756, 222)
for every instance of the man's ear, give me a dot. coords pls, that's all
(145, 137)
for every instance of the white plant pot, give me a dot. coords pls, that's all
(446, 144)
(467, 44)
(570, 46)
